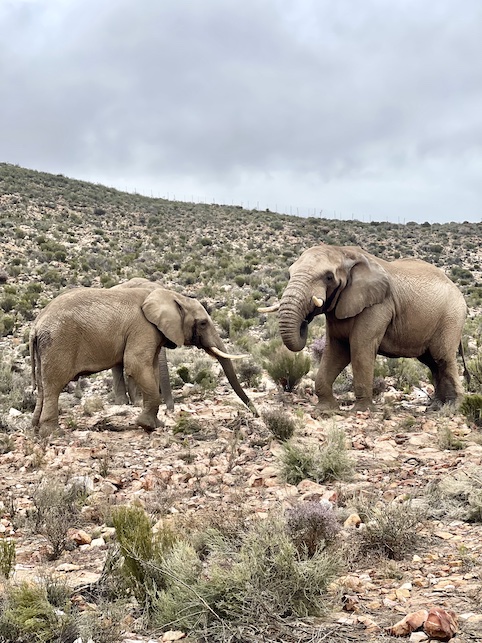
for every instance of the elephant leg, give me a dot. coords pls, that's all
(335, 358)
(445, 379)
(363, 366)
(119, 385)
(49, 415)
(165, 384)
(134, 393)
(145, 376)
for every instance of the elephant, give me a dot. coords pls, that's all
(123, 394)
(87, 330)
(401, 308)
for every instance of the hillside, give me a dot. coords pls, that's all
(213, 463)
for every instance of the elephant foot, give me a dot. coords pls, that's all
(363, 405)
(326, 407)
(121, 400)
(148, 421)
(437, 405)
(46, 429)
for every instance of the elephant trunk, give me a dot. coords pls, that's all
(295, 310)
(230, 373)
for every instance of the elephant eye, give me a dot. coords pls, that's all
(329, 276)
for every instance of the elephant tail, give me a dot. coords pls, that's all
(34, 360)
(466, 370)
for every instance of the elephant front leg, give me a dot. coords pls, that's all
(335, 358)
(148, 383)
(363, 366)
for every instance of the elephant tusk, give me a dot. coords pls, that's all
(317, 301)
(219, 353)
(269, 309)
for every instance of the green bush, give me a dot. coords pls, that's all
(471, 407)
(7, 557)
(328, 463)
(281, 425)
(286, 368)
(391, 529)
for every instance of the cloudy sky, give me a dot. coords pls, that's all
(369, 109)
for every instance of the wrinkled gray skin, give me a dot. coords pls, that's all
(87, 330)
(126, 391)
(402, 308)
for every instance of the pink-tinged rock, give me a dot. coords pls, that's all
(441, 624)
(408, 624)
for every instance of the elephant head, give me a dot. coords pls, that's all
(184, 322)
(328, 279)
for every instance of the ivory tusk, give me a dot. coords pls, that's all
(317, 301)
(269, 309)
(219, 353)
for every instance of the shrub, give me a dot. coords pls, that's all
(7, 557)
(471, 407)
(249, 372)
(281, 425)
(57, 508)
(187, 424)
(390, 530)
(311, 525)
(286, 368)
(407, 372)
(318, 348)
(28, 616)
(331, 462)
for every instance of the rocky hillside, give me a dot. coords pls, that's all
(396, 491)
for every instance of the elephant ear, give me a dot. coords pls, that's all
(162, 309)
(367, 285)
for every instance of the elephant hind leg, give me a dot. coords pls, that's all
(445, 379)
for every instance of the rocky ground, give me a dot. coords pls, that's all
(233, 461)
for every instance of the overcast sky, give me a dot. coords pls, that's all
(369, 109)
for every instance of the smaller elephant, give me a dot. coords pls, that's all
(402, 308)
(87, 330)
(126, 391)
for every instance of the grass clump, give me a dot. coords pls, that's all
(187, 425)
(286, 368)
(471, 407)
(281, 425)
(447, 440)
(321, 464)
(457, 496)
(390, 530)
(28, 616)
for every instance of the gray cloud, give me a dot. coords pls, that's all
(369, 108)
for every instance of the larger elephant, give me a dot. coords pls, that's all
(125, 392)
(87, 330)
(402, 308)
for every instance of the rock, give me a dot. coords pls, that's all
(353, 520)
(408, 624)
(173, 635)
(81, 537)
(418, 637)
(440, 624)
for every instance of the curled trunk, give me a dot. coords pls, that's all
(293, 312)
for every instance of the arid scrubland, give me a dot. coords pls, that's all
(222, 526)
